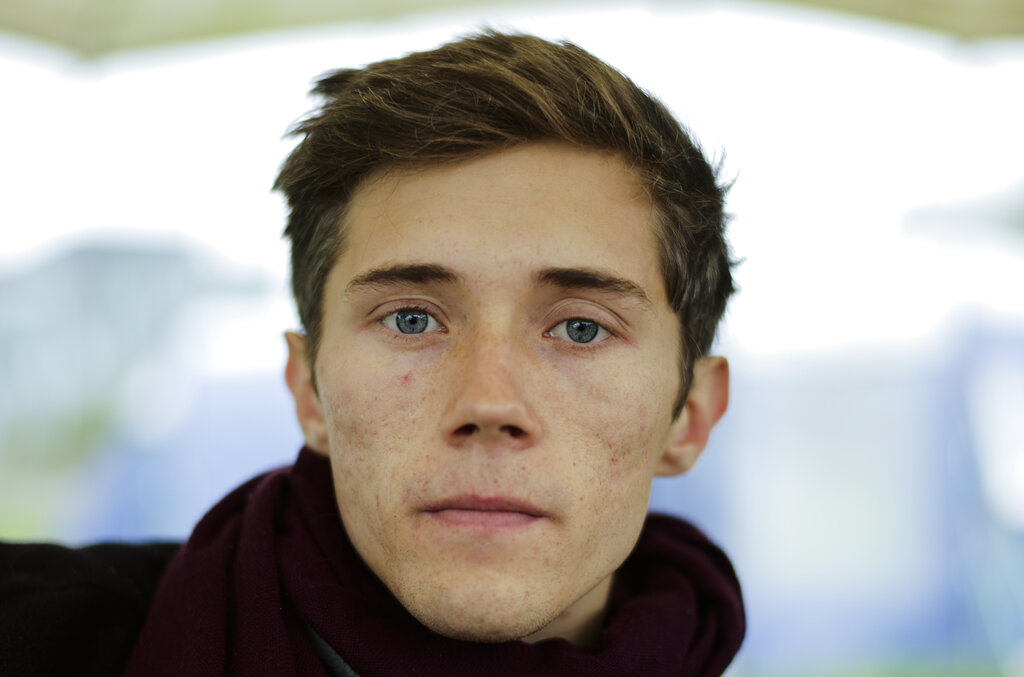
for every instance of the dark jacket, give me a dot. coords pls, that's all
(74, 611)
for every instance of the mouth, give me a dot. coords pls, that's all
(484, 512)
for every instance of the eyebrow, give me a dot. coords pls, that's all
(594, 280)
(401, 275)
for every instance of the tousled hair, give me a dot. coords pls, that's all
(484, 93)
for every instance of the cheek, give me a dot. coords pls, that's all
(625, 409)
(624, 418)
(627, 467)
(372, 410)
(363, 398)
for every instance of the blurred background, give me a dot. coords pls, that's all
(868, 481)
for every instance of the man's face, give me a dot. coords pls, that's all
(496, 376)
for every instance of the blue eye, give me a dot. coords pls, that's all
(580, 330)
(411, 321)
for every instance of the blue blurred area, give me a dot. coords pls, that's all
(111, 425)
(848, 490)
(234, 429)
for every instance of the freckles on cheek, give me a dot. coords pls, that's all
(629, 445)
(354, 424)
(614, 468)
(361, 404)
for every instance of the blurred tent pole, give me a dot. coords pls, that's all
(96, 28)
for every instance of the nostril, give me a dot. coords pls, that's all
(466, 430)
(470, 429)
(514, 432)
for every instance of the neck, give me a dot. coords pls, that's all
(582, 621)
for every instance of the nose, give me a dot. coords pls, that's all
(489, 405)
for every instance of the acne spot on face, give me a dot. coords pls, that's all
(406, 378)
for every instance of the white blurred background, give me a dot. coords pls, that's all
(868, 481)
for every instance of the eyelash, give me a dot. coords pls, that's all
(591, 345)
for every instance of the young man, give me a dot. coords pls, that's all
(509, 264)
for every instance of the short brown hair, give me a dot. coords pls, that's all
(484, 93)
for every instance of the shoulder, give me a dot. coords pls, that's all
(74, 610)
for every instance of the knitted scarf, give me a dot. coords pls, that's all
(268, 574)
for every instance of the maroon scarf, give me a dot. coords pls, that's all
(271, 563)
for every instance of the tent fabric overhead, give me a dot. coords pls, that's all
(94, 28)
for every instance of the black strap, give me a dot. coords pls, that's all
(334, 663)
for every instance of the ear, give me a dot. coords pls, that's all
(706, 401)
(307, 403)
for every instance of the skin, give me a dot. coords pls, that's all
(495, 402)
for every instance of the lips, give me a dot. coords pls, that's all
(486, 504)
(484, 511)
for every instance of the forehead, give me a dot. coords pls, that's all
(535, 206)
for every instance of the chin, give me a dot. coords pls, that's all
(479, 618)
(482, 630)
